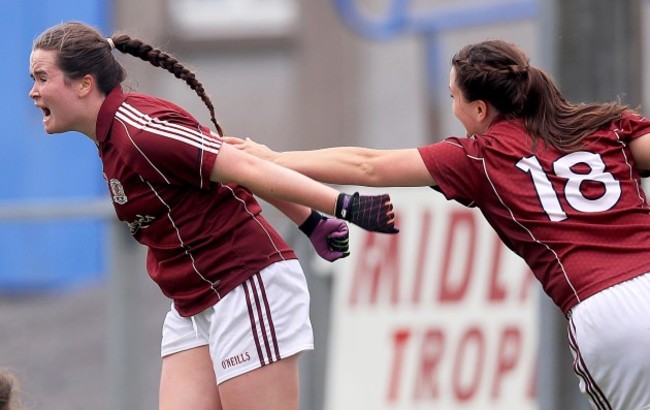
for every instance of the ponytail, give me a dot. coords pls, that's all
(499, 73)
(159, 58)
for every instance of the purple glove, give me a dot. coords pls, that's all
(371, 212)
(330, 237)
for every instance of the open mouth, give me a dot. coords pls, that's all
(46, 113)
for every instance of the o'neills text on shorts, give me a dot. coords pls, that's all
(235, 360)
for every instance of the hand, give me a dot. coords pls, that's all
(370, 212)
(251, 147)
(330, 237)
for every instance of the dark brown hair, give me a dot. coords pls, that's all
(7, 391)
(83, 50)
(499, 73)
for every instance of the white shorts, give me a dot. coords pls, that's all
(609, 335)
(259, 322)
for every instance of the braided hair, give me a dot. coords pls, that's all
(83, 50)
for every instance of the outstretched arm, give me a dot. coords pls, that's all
(270, 181)
(641, 151)
(348, 165)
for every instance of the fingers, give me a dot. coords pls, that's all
(238, 142)
(387, 226)
(339, 241)
(390, 215)
(329, 236)
(386, 216)
(371, 212)
(342, 231)
(233, 140)
(388, 209)
(340, 251)
(331, 256)
(334, 251)
(251, 147)
(339, 244)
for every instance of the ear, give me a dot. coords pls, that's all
(86, 85)
(481, 110)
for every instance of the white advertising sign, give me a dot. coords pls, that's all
(233, 19)
(440, 316)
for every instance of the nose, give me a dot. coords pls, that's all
(33, 93)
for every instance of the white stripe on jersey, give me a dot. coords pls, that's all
(268, 235)
(515, 220)
(195, 138)
(182, 130)
(181, 242)
(126, 130)
(631, 169)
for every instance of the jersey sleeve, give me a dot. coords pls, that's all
(451, 163)
(169, 146)
(633, 126)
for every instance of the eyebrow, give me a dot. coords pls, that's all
(37, 72)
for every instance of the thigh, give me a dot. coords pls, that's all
(271, 387)
(609, 335)
(187, 381)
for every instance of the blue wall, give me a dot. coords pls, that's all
(44, 255)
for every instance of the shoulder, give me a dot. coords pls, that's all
(447, 146)
(148, 107)
(451, 153)
(147, 120)
(632, 123)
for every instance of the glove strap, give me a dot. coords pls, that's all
(342, 205)
(310, 223)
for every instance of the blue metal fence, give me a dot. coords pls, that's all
(42, 254)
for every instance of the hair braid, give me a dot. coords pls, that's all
(159, 58)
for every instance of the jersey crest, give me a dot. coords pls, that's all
(119, 196)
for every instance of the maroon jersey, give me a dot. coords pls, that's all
(203, 238)
(580, 220)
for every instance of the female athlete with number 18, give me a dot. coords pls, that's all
(560, 184)
(240, 312)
